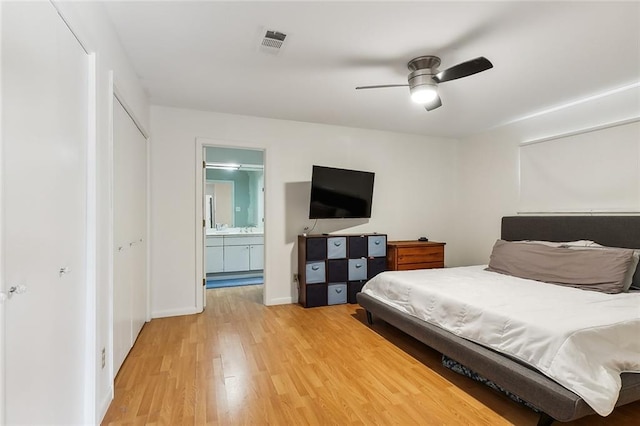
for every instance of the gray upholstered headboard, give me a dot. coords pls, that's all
(613, 231)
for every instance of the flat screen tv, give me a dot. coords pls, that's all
(340, 193)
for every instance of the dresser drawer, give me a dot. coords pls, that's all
(421, 265)
(407, 255)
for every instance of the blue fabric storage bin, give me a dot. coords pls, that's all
(357, 269)
(336, 247)
(377, 245)
(337, 293)
(315, 272)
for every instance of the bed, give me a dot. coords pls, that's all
(553, 400)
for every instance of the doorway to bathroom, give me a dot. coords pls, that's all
(233, 191)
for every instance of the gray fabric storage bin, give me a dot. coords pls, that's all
(336, 247)
(337, 270)
(357, 269)
(316, 248)
(337, 293)
(315, 272)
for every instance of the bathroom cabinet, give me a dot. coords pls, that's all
(214, 254)
(234, 253)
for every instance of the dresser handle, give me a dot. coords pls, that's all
(315, 267)
(377, 242)
(337, 243)
(338, 290)
(358, 265)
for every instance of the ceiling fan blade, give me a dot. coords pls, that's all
(382, 86)
(464, 69)
(436, 103)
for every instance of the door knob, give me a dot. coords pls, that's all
(16, 289)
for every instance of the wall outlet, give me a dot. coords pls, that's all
(104, 357)
(295, 278)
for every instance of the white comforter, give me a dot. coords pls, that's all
(581, 339)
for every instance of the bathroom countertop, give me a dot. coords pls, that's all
(234, 233)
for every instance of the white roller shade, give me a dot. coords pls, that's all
(593, 171)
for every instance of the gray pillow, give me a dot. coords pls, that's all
(628, 279)
(597, 270)
(592, 245)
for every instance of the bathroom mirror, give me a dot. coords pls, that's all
(234, 188)
(220, 203)
(235, 198)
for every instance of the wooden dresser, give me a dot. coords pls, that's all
(405, 255)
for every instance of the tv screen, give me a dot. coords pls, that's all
(340, 193)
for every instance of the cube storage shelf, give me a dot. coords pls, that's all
(333, 268)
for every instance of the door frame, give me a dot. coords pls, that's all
(200, 273)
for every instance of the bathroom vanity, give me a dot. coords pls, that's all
(234, 251)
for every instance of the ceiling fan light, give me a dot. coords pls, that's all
(424, 94)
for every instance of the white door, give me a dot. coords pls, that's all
(122, 228)
(129, 224)
(139, 236)
(44, 141)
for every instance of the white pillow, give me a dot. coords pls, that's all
(578, 243)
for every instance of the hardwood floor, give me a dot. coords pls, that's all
(241, 363)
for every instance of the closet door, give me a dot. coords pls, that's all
(139, 231)
(44, 141)
(122, 229)
(130, 225)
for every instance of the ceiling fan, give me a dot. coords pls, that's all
(425, 77)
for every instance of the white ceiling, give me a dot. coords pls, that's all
(205, 55)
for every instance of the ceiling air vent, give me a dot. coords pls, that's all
(272, 41)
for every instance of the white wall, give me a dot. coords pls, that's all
(413, 195)
(489, 167)
(88, 20)
(446, 190)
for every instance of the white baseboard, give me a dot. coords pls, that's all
(104, 406)
(280, 301)
(175, 312)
